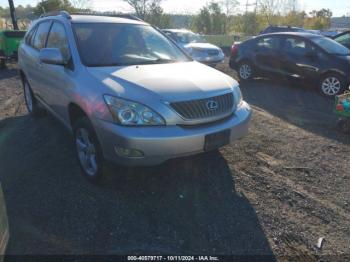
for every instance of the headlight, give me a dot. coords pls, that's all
(237, 95)
(130, 113)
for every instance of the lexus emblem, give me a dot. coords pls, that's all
(212, 105)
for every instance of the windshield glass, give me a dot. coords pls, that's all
(331, 46)
(188, 37)
(102, 44)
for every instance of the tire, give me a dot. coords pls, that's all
(343, 125)
(88, 150)
(332, 84)
(245, 71)
(2, 60)
(2, 63)
(32, 103)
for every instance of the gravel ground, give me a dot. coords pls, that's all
(274, 193)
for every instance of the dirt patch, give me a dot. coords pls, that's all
(11, 94)
(279, 189)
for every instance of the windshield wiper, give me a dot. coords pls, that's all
(158, 61)
(165, 60)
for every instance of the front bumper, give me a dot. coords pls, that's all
(159, 144)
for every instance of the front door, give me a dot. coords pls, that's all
(300, 58)
(58, 78)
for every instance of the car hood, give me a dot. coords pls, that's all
(168, 82)
(201, 46)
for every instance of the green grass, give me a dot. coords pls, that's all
(223, 40)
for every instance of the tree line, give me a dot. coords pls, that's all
(216, 17)
(221, 17)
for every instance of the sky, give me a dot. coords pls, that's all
(338, 7)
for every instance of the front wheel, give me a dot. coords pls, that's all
(332, 85)
(245, 71)
(88, 150)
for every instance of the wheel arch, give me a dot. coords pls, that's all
(22, 76)
(332, 71)
(75, 112)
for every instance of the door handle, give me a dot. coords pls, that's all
(40, 64)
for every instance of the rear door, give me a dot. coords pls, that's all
(266, 54)
(35, 74)
(27, 56)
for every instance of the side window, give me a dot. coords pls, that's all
(41, 35)
(343, 39)
(29, 36)
(270, 43)
(58, 39)
(296, 46)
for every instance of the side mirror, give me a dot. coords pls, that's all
(52, 56)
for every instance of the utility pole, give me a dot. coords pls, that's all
(247, 4)
(13, 15)
(256, 6)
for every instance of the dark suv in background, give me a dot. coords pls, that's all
(314, 59)
(278, 29)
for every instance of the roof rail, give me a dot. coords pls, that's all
(110, 14)
(65, 14)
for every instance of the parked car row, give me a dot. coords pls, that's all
(290, 52)
(280, 28)
(314, 59)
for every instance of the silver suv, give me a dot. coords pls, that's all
(127, 92)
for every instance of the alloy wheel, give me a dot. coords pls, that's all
(331, 86)
(245, 71)
(86, 151)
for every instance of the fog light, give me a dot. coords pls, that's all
(128, 152)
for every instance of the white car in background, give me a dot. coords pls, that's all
(196, 46)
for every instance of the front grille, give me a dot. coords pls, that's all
(197, 109)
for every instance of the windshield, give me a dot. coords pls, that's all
(113, 44)
(331, 46)
(188, 37)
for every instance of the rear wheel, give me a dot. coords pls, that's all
(2, 60)
(332, 84)
(88, 150)
(245, 71)
(32, 104)
(2, 63)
